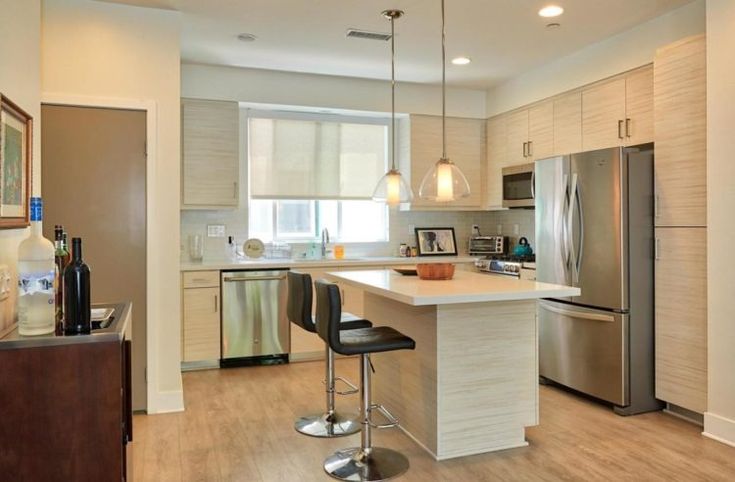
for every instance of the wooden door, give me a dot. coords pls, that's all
(681, 317)
(210, 140)
(540, 131)
(639, 106)
(201, 334)
(603, 115)
(680, 106)
(516, 139)
(496, 158)
(568, 123)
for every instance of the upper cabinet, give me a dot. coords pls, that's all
(529, 134)
(465, 147)
(618, 112)
(568, 123)
(210, 154)
(496, 161)
(680, 106)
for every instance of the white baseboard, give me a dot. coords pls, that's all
(719, 428)
(166, 402)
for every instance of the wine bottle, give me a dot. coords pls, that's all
(62, 259)
(36, 272)
(77, 309)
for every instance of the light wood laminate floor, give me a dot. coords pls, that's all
(238, 425)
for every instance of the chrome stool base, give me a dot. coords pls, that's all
(326, 426)
(355, 464)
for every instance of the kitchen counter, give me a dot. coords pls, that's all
(263, 263)
(471, 384)
(121, 324)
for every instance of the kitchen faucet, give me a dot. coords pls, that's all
(325, 240)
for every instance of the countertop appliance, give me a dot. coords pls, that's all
(506, 264)
(594, 230)
(255, 328)
(486, 245)
(518, 186)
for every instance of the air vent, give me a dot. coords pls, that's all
(364, 34)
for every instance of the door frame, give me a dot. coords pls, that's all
(150, 107)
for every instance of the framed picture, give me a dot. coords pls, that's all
(16, 153)
(436, 242)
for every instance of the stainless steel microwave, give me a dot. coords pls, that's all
(518, 186)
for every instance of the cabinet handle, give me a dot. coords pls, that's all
(524, 149)
(627, 127)
(530, 148)
(620, 129)
(216, 304)
(655, 205)
(234, 190)
(655, 249)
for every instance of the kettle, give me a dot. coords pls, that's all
(522, 248)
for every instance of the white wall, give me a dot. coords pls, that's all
(106, 50)
(719, 420)
(627, 50)
(311, 90)
(20, 81)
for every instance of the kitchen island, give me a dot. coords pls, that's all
(471, 385)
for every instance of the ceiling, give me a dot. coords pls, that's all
(502, 37)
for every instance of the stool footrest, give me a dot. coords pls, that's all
(352, 388)
(392, 421)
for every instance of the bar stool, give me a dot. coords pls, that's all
(330, 423)
(365, 462)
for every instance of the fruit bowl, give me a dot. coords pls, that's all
(435, 271)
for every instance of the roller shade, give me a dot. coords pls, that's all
(311, 159)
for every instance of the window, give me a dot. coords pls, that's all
(311, 171)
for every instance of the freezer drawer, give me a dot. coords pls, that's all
(584, 349)
(254, 321)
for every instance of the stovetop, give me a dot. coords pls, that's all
(531, 258)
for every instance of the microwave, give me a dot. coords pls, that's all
(518, 186)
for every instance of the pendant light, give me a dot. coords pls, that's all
(392, 187)
(444, 182)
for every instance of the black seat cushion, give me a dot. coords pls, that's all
(348, 321)
(373, 340)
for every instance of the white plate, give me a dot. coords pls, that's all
(253, 248)
(102, 314)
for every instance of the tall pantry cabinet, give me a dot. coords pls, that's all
(681, 223)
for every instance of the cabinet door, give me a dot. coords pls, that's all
(201, 332)
(516, 151)
(639, 107)
(603, 115)
(681, 317)
(496, 156)
(210, 153)
(541, 131)
(465, 147)
(681, 133)
(568, 123)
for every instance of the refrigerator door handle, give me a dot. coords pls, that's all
(580, 249)
(570, 227)
(576, 313)
(564, 243)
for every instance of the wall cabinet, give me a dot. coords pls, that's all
(680, 106)
(210, 154)
(496, 161)
(200, 334)
(568, 123)
(530, 134)
(465, 147)
(681, 317)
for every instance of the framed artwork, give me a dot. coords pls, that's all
(436, 242)
(16, 154)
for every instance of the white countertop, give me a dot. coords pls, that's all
(466, 287)
(263, 263)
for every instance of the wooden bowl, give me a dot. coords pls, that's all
(435, 271)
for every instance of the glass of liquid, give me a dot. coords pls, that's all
(196, 247)
(339, 251)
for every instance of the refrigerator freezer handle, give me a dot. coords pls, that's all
(580, 249)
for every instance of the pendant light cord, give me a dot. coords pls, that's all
(393, 93)
(444, 89)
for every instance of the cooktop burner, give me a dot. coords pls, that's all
(531, 258)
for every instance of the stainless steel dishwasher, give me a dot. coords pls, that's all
(255, 329)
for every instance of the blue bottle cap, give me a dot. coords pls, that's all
(36, 209)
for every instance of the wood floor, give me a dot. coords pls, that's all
(238, 425)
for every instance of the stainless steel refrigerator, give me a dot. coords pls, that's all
(594, 230)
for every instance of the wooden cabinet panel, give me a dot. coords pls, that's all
(603, 108)
(568, 123)
(541, 131)
(516, 138)
(210, 153)
(200, 279)
(639, 107)
(496, 158)
(465, 147)
(201, 333)
(680, 109)
(681, 317)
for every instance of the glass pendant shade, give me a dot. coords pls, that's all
(444, 182)
(393, 189)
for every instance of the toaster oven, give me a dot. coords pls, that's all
(487, 245)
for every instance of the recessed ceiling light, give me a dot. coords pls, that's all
(461, 60)
(246, 37)
(551, 11)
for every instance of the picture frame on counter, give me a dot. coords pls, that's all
(16, 154)
(436, 241)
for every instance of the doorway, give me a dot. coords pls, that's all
(93, 182)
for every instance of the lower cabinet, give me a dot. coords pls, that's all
(681, 317)
(200, 334)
